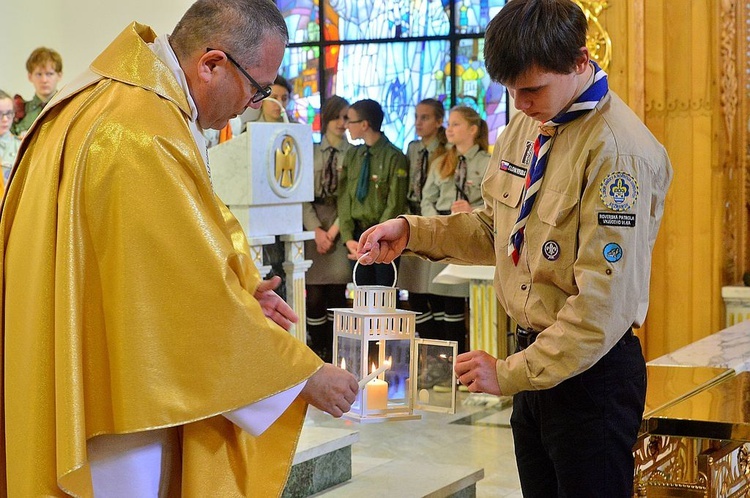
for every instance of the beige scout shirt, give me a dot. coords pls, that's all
(414, 155)
(583, 274)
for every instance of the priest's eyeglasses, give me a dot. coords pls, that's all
(262, 92)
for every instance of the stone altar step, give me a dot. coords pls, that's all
(378, 477)
(323, 459)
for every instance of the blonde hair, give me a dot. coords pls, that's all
(449, 160)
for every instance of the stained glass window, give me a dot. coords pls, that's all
(396, 52)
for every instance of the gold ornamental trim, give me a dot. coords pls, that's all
(598, 40)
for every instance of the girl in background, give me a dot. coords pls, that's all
(414, 273)
(454, 185)
(330, 271)
(9, 144)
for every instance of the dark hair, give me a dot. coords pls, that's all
(281, 81)
(450, 159)
(545, 33)
(439, 112)
(330, 111)
(43, 56)
(370, 111)
(241, 27)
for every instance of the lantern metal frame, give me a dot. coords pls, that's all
(372, 331)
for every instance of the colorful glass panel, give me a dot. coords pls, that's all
(301, 69)
(472, 16)
(377, 20)
(302, 19)
(397, 72)
(475, 89)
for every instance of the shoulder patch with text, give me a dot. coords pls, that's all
(619, 191)
(607, 219)
(512, 169)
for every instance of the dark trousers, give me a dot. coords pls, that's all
(442, 317)
(320, 298)
(576, 440)
(377, 274)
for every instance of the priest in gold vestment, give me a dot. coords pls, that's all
(141, 350)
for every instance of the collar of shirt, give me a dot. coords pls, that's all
(163, 50)
(430, 146)
(585, 87)
(374, 148)
(326, 146)
(469, 154)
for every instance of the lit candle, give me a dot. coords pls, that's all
(375, 373)
(376, 392)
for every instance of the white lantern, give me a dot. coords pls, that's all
(373, 337)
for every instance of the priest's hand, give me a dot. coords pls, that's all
(477, 370)
(331, 389)
(384, 242)
(273, 306)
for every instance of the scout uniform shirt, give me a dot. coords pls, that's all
(440, 193)
(583, 274)
(414, 153)
(32, 109)
(386, 195)
(333, 267)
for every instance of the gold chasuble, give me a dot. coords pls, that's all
(128, 296)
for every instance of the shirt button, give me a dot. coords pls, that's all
(524, 287)
(505, 195)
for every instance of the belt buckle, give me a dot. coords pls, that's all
(524, 338)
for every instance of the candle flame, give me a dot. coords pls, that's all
(389, 361)
(343, 363)
(373, 367)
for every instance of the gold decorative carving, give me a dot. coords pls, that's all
(729, 83)
(598, 40)
(743, 460)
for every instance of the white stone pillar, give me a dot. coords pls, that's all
(295, 265)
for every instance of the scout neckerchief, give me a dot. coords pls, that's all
(459, 178)
(587, 101)
(363, 182)
(330, 175)
(420, 174)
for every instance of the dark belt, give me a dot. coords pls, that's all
(361, 226)
(525, 338)
(444, 211)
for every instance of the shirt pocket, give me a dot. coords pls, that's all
(555, 241)
(506, 190)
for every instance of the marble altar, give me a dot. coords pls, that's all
(264, 175)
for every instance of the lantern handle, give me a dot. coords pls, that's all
(354, 273)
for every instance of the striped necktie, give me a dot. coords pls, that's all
(420, 174)
(459, 178)
(330, 175)
(587, 101)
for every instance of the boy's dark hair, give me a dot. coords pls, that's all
(545, 33)
(370, 111)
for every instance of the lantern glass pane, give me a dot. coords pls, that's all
(435, 388)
